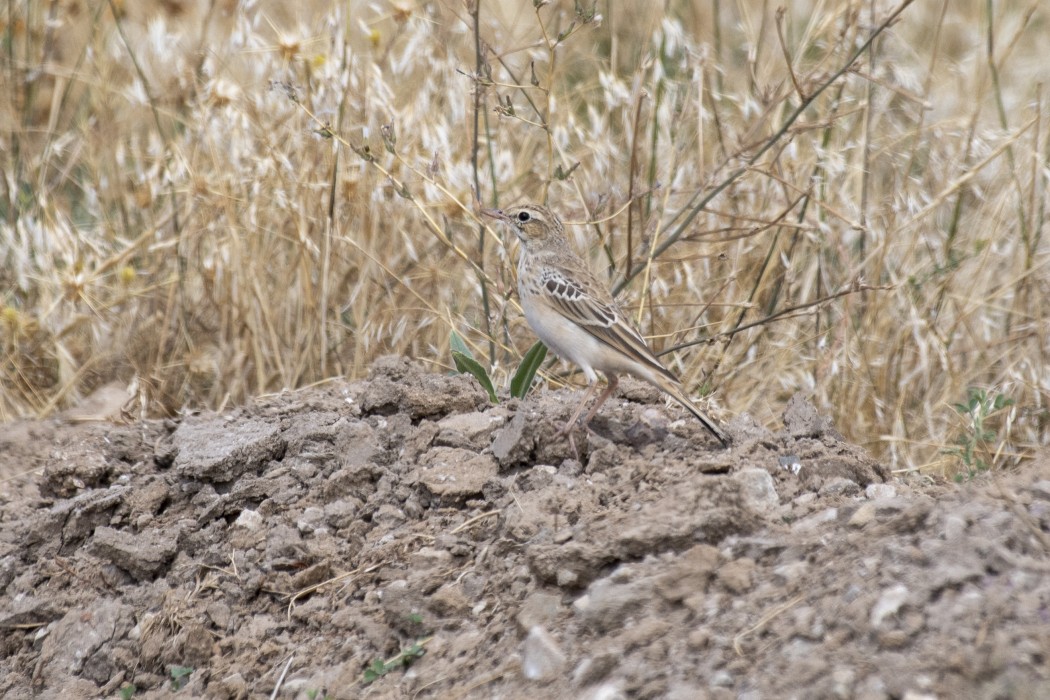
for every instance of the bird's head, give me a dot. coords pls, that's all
(536, 226)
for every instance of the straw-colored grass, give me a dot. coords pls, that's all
(209, 201)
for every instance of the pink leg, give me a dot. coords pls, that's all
(579, 409)
(613, 381)
(568, 428)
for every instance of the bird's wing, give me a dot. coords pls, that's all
(582, 299)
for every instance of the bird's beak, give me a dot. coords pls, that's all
(495, 214)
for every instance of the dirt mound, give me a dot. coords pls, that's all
(402, 537)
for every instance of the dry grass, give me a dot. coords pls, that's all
(201, 200)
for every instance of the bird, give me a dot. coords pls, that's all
(575, 315)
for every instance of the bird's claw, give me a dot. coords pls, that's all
(567, 430)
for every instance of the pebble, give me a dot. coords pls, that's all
(539, 608)
(814, 521)
(312, 520)
(606, 691)
(839, 486)
(736, 576)
(542, 658)
(721, 679)
(874, 491)
(863, 515)
(790, 573)
(248, 519)
(889, 603)
(758, 489)
(954, 527)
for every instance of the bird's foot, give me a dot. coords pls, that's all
(568, 430)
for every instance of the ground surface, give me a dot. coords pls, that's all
(292, 543)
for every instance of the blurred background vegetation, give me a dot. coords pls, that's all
(209, 200)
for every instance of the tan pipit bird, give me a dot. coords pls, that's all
(574, 314)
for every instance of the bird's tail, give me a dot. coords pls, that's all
(674, 390)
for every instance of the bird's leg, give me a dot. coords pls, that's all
(613, 381)
(571, 424)
(568, 429)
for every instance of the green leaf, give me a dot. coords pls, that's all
(530, 364)
(179, 676)
(456, 342)
(468, 365)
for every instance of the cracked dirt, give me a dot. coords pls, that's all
(292, 544)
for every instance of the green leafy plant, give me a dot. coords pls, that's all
(179, 676)
(127, 691)
(405, 658)
(976, 445)
(520, 383)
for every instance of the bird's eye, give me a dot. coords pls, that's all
(523, 216)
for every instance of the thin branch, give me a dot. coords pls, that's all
(699, 200)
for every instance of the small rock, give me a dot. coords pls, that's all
(343, 512)
(804, 499)
(842, 680)
(567, 578)
(721, 679)
(790, 573)
(539, 608)
(510, 445)
(758, 489)
(466, 427)
(389, 516)
(219, 613)
(839, 486)
(220, 451)
(889, 603)
(863, 515)
(954, 527)
(70, 649)
(542, 658)
(874, 491)
(872, 688)
(234, 686)
(449, 601)
(455, 473)
(249, 519)
(736, 575)
(430, 558)
(142, 555)
(311, 520)
(610, 690)
(594, 668)
(402, 606)
(814, 521)
(790, 463)
(698, 639)
(609, 601)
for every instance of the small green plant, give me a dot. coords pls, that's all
(179, 676)
(520, 383)
(976, 446)
(405, 658)
(127, 691)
